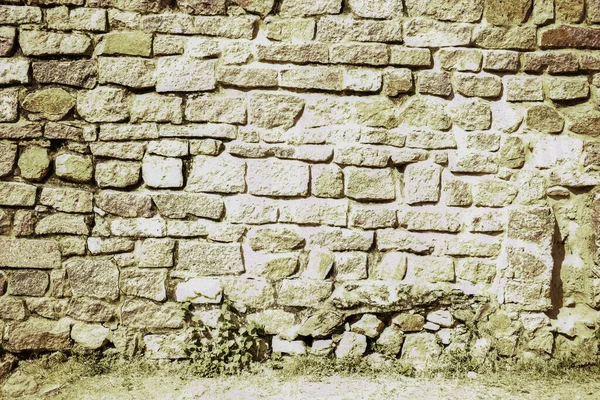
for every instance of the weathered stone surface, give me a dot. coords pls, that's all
(421, 32)
(422, 183)
(426, 112)
(44, 43)
(74, 167)
(544, 119)
(274, 110)
(295, 8)
(154, 253)
(369, 184)
(9, 103)
(29, 253)
(138, 313)
(567, 88)
(223, 174)
(80, 73)
(126, 71)
(506, 12)
(275, 240)
(8, 154)
(153, 107)
(124, 204)
(7, 40)
(303, 293)
(570, 36)
(144, 283)
(138, 227)
(505, 37)
(103, 104)
(351, 345)
(117, 174)
(183, 74)
(90, 336)
(210, 258)
(14, 70)
(39, 334)
(435, 83)
(51, 104)
(34, 163)
(162, 172)
(95, 278)
(277, 178)
(67, 200)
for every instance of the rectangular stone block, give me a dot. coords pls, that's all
(206, 258)
(314, 212)
(229, 27)
(182, 74)
(432, 220)
(320, 78)
(181, 205)
(277, 178)
(19, 15)
(67, 200)
(422, 183)
(80, 19)
(218, 131)
(231, 110)
(341, 29)
(45, 43)
(361, 54)
(127, 71)
(369, 184)
(251, 210)
(153, 107)
(508, 38)
(80, 73)
(8, 36)
(247, 77)
(224, 174)
(295, 53)
(298, 8)
(340, 239)
(29, 253)
(14, 70)
(421, 32)
(17, 194)
(396, 239)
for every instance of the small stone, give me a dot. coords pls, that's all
(7, 40)
(544, 119)
(460, 59)
(409, 322)
(421, 349)
(248, 77)
(210, 258)
(8, 155)
(397, 82)
(156, 253)
(494, 193)
(183, 74)
(103, 104)
(290, 28)
(274, 110)
(507, 37)
(567, 88)
(124, 204)
(127, 71)
(351, 345)
(138, 227)
(422, 183)
(230, 110)
(39, 334)
(67, 200)
(320, 262)
(277, 178)
(296, 347)
(327, 181)
(202, 7)
(524, 89)
(407, 57)
(296, 8)
(34, 163)
(117, 174)
(369, 184)
(368, 325)
(200, 291)
(132, 43)
(140, 313)
(426, 112)
(392, 266)
(14, 70)
(9, 105)
(89, 336)
(471, 114)
(303, 293)
(390, 341)
(480, 85)
(161, 172)
(153, 107)
(435, 83)
(224, 174)
(149, 284)
(501, 60)
(421, 32)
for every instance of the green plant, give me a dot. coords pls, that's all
(229, 348)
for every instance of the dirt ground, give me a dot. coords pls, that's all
(270, 384)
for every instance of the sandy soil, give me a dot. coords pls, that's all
(270, 385)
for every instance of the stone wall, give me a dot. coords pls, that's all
(418, 176)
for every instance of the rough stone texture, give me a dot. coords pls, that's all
(380, 176)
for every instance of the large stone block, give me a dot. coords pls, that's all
(277, 178)
(39, 334)
(370, 184)
(94, 278)
(183, 74)
(224, 174)
(206, 258)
